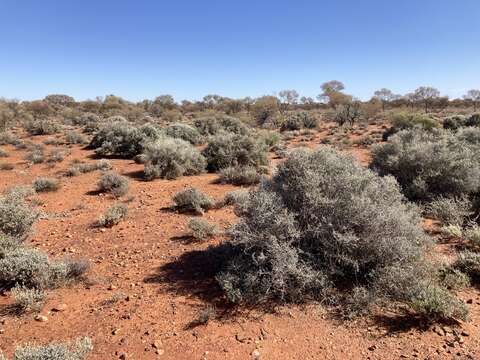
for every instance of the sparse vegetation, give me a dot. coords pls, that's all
(44, 184)
(114, 215)
(201, 229)
(191, 200)
(55, 351)
(241, 175)
(113, 183)
(28, 300)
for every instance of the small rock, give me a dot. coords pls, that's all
(115, 332)
(123, 356)
(157, 344)
(372, 348)
(112, 287)
(465, 333)
(60, 307)
(160, 352)
(447, 329)
(256, 354)
(438, 330)
(41, 318)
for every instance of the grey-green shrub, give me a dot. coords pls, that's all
(229, 150)
(212, 125)
(16, 217)
(55, 351)
(82, 168)
(468, 262)
(170, 158)
(45, 184)
(27, 300)
(114, 214)
(240, 175)
(113, 183)
(120, 138)
(32, 268)
(324, 225)
(201, 229)
(192, 200)
(429, 164)
(35, 156)
(73, 137)
(449, 211)
(184, 132)
(42, 127)
(404, 121)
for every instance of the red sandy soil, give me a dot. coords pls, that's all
(145, 287)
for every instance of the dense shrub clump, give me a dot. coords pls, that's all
(405, 120)
(240, 175)
(298, 121)
(192, 200)
(16, 217)
(119, 138)
(229, 150)
(459, 121)
(212, 125)
(430, 164)
(113, 183)
(323, 225)
(201, 229)
(184, 132)
(42, 127)
(44, 184)
(54, 351)
(170, 158)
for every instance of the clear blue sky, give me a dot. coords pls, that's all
(144, 48)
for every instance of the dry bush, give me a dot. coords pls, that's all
(55, 351)
(192, 200)
(82, 168)
(404, 121)
(240, 175)
(114, 214)
(231, 150)
(113, 183)
(430, 164)
(120, 138)
(43, 127)
(35, 156)
(73, 137)
(449, 211)
(44, 184)
(28, 300)
(324, 226)
(184, 132)
(201, 229)
(213, 124)
(32, 268)
(170, 158)
(16, 217)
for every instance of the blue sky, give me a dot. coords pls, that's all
(144, 48)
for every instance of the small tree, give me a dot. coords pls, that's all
(348, 113)
(289, 98)
(426, 95)
(385, 96)
(474, 96)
